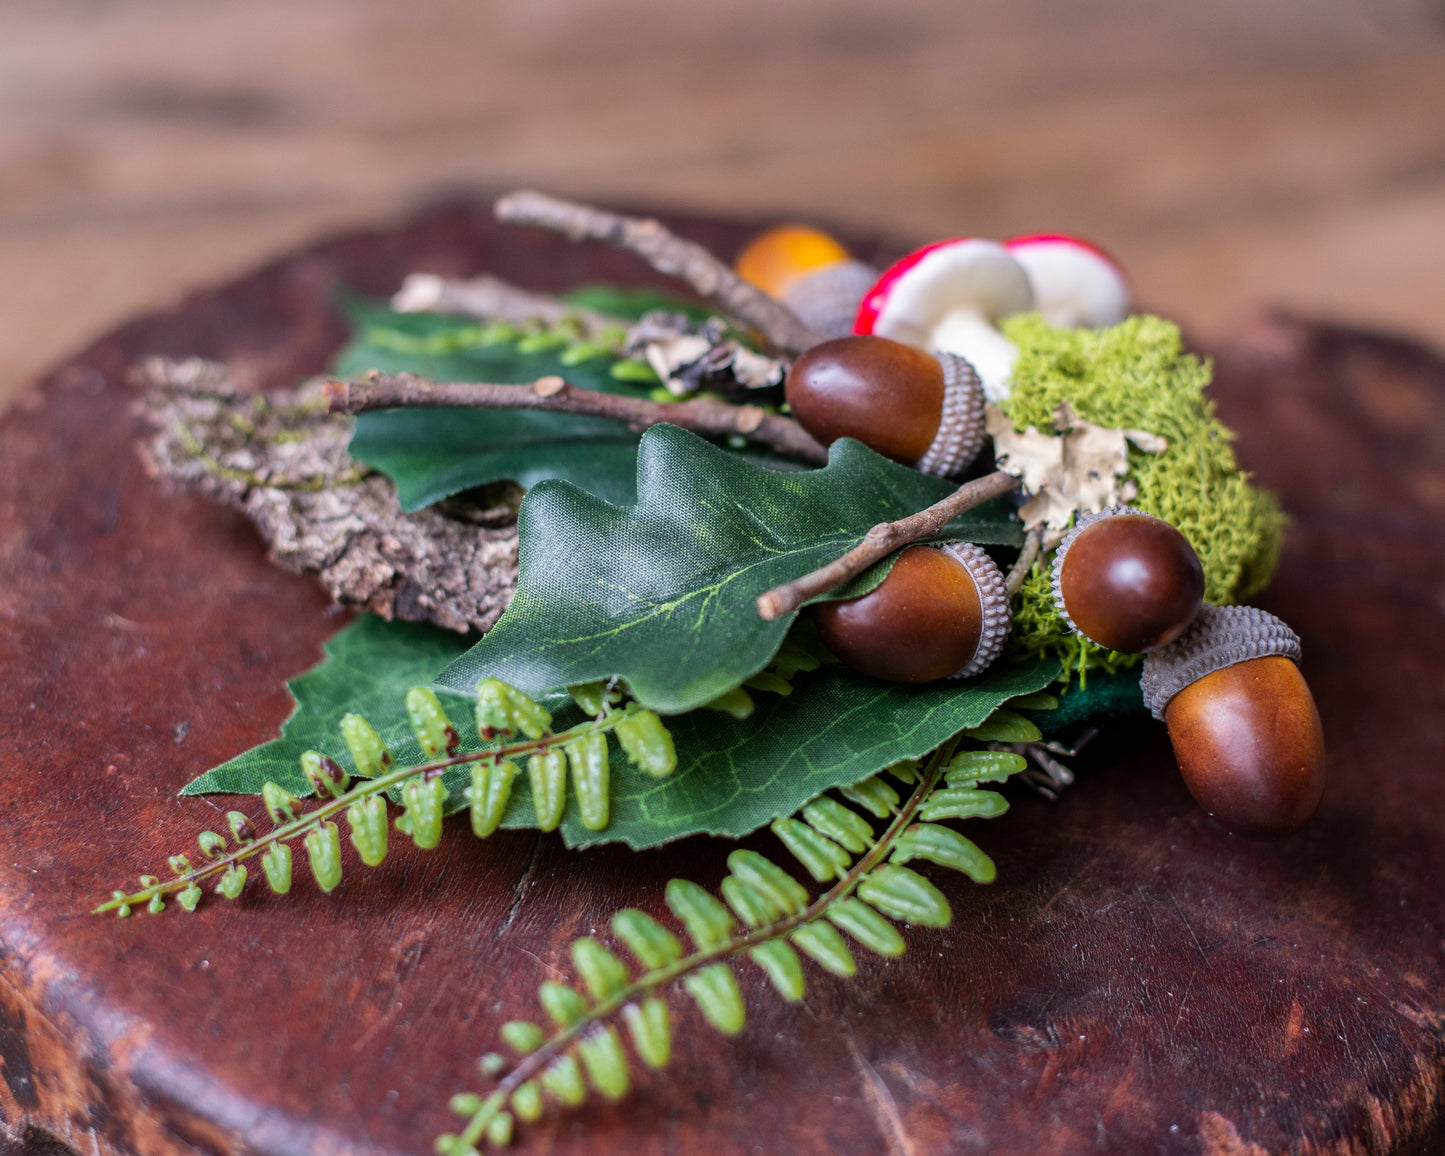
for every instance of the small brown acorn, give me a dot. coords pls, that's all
(918, 408)
(1243, 724)
(1127, 580)
(942, 612)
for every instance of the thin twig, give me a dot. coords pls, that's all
(701, 415)
(881, 541)
(492, 299)
(668, 253)
(1020, 570)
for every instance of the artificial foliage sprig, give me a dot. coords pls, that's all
(556, 760)
(765, 914)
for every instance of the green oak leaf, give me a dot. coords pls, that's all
(734, 776)
(432, 454)
(664, 594)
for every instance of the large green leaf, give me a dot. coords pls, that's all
(664, 594)
(836, 728)
(432, 454)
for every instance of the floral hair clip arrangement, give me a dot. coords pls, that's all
(836, 552)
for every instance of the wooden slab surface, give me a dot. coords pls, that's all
(1135, 982)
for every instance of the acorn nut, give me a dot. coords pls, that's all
(942, 612)
(1127, 580)
(1241, 719)
(921, 409)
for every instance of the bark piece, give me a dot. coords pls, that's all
(282, 460)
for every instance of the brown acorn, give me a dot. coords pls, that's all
(924, 410)
(1241, 719)
(942, 612)
(1127, 580)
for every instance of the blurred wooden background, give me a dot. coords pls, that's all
(1233, 153)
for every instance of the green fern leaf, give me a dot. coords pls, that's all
(866, 926)
(780, 963)
(846, 828)
(499, 1131)
(547, 773)
(822, 858)
(562, 1080)
(707, 921)
(277, 864)
(591, 778)
(715, 991)
(527, 1103)
(905, 895)
(522, 1036)
(822, 942)
(489, 794)
(652, 944)
(564, 1005)
(761, 872)
(963, 803)
(969, 767)
(752, 906)
(1005, 726)
(873, 795)
(323, 851)
(602, 972)
(650, 1025)
(602, 1056)
(781, 918)
(947, 848)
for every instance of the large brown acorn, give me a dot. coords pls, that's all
(1127, 580)
(1243, 724)
(922, 409)
(942, 612)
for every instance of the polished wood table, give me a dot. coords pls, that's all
(1136, 980)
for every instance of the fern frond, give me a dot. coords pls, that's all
(765, 915)
(501, 711)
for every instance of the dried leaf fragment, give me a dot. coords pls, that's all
(1079, 467)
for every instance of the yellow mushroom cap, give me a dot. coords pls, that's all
(777, 257)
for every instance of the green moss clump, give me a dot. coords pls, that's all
(1137, 375)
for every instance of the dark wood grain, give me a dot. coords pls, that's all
(1136, 981)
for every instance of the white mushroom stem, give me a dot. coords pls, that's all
(972, 336)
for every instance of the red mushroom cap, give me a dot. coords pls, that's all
(1075, 282)
(947, 296)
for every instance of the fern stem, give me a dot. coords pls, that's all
(363, 789)
(532, 1064)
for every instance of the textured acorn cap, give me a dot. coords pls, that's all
(1081, 523)
(1220, 636)
(993, 600)
(827, 300)
(961, 430)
